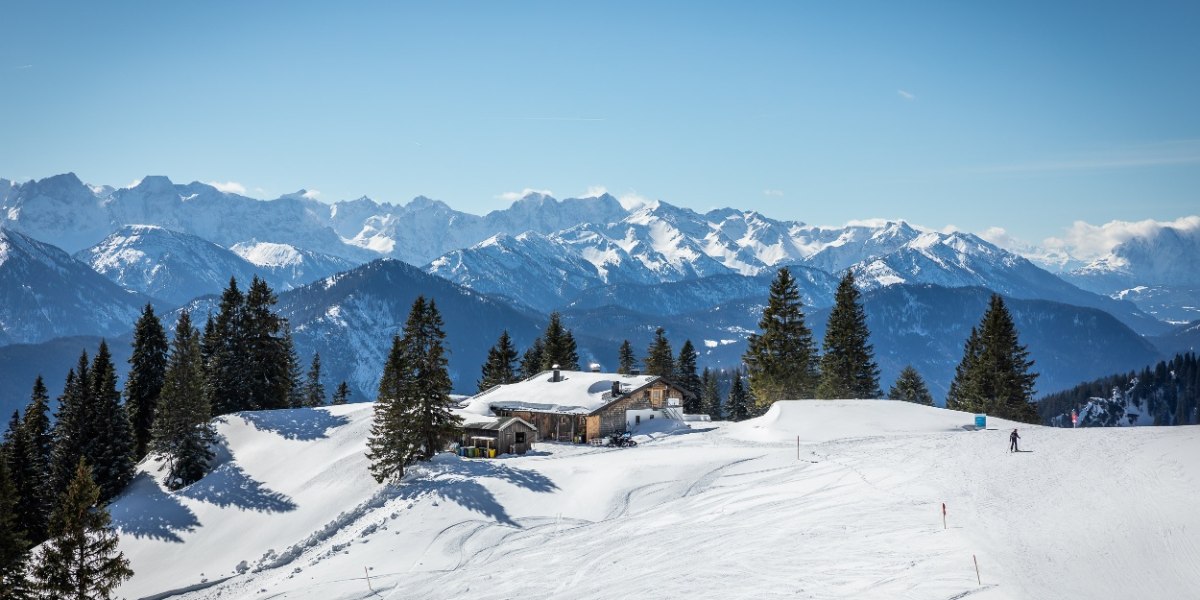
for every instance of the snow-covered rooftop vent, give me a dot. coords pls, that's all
(555, 377)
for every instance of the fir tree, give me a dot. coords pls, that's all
(111, 450)
(269, 381)
(501, 358)
(686, 377)
(146, 367)
(314, 390)
(848, 368)
(413, 420)
(297, 391)
(341, 395)
(559, 346)
(36, 465)
(182, 429)
(739, 405)
(13, 545)
(659, 360)
(781, 358)
(81, 559)
(531, 361)
(625, 358)
(710, 395)
(909, 387)
(995, 374)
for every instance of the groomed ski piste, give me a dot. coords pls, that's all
(717, 510)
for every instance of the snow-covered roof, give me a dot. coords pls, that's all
(576, 392)
(494, 423)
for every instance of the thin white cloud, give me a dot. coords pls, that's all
(774, 193)
(23, 67)
(312, 194)
(594, 191)
(906, 95)
(134, 183)
(514, 196)
(229, 187)
(1177, 152)
(1088, 242)
(634, 201)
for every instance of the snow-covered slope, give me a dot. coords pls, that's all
(287, 266)
(44, 293)
(725, 511)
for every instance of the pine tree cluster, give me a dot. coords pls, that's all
(1169, 391)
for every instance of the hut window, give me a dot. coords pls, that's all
(520, 437)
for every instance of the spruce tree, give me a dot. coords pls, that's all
(659, 359)
(36, 465)
(625, 358)
(739, 405)
(413, 418)
(269, 381)
(686, 377)
(781, 359)
(182, 429)
(531, 360)
(81, 559)
(341, 395)
(909, 387)
(710, 395)
(314, 390)
(112, 446)
(848, 368)
(501, 358)
(146, 367)
(390, 445)
(71, 428)
(296, 382)
(559, 346)
(14, 547)
(225, 353)
(995, 374)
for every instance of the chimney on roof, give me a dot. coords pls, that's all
(555, 377)
(595, 367)
(616, 391)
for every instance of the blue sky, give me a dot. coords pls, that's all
(1026, 116)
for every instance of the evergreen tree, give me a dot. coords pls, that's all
(625, 358)
(146, 367)
(498, 370)
(314, 390)
(390, 446)
(531, 361)
(269, 381)
(71, 428)
(341, 395)
(686, 377)
(659, 359)
(13, 546)
(559, 346)
(710, 396)
(994, 375)
(909, 387)
(297, 390)
(848, 368)
(413, 420)
(224, 351)
(182, 429)
(81, 560)
(739, 404)
(781, 359)
(112, 446)
(36, 465)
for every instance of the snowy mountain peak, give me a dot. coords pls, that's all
(153, 184)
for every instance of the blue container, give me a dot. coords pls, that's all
(980, 421)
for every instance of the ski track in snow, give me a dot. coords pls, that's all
(725, 513)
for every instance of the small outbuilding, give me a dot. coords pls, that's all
(503, 435)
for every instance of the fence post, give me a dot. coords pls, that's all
(365, 572)
(977, 579)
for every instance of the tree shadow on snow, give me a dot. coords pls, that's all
(228, 485)
(146, 511)
(457, 480)
(295, 424)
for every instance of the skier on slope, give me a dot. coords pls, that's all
(1012, 439)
